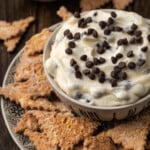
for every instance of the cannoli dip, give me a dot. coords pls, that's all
(102, 57)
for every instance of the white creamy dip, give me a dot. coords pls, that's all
(110, 73)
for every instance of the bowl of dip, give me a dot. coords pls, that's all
(98, 63)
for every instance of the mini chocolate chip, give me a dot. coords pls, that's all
(76, 67)
(113, 59)
(134, 26)
(117, 69)
(91, 76)
(102, 24)
(101, 79)
(78, 95)
(112, 28)
(141, 62)
(95, 34)
(69, 36)
(131, 65)
(82, 23)
(102, 60)
(138, 33)
(130, 54)
(113, 14)
(114, 74)
(132, 41)
(72, 62)
(144, 49)
(95, 70)
(88, 101)
(66, 32)
(122, 65)
(96, 61)
(77, 36)
(68, 51)
(101, 74)
(122, 42)
(139, 40)
(118, 29)
(123, 75)
(77, 14)
(90, 31)
(107, 31)
(83, 57)
(130, 32)
(100, 50)
(105, 44)
(113, 82)
(119, 55)
(71, 44)
(78, 74)
(86, 71)
(88, 20)
(89, 64)
(110, 21)
(148, 37)
(95, 14)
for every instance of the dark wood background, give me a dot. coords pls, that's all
(45, 14)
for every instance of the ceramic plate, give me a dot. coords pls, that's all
(12, 112)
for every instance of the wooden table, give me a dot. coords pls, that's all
(45, 14)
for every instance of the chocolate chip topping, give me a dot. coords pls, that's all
(117, 69)
(113, 82)
(107, 31)
(91, 76)
(78, 74)
(66, 32)
(82, 23)
(134, 26)
(122, 65)
(123, 75)
(110, 21)
(101, 77)
(83, 57)
(102, 60)
(138, 33)
(95, 14)
(130, 32)
(130, 54)
(90, 31)
(122, 42)
(119, 55)
(131, 65)
(102, 24)
(148, 37)
(68, 51)
(96, 61)
(141, 62)
(100, 50)
(105, 44)
(139, 40)
(77, 14)
(95, 70)
(114, 74)
(71, 44)
(144, 49)
(77, 36)
(86, 71)
(113, 14)
(69, 36)
(76, 67)
(89, 64)
(118, 29)
(132, 41)
(72, 62)
(88, 20)
(95, 34)
(113, 59)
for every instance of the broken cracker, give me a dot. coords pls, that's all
(121, 4)
(98, 142)
(60, 130)
(131, 131)
(36, 43)
(91, 4)
(64, 13)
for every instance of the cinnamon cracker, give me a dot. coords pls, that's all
(29, 66)
(59, 130)
(22, 25)
(121, 4)
(92, 4)
(36, 43)
(98, 142)
(64, 13)
(132, 134)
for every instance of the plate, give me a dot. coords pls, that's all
(12, 112)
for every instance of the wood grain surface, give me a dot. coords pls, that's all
(45, 14)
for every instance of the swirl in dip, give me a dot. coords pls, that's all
(102, 57)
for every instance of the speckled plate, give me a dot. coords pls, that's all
(12, 112)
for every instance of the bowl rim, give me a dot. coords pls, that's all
(62, 93)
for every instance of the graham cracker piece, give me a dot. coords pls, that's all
(121, 4)
(22, 25)
(28, 66)
(28, 121)
(98, 142)
(64, 13)
(36, 43)
(91, 4)
(132, 134)
(61, 130)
